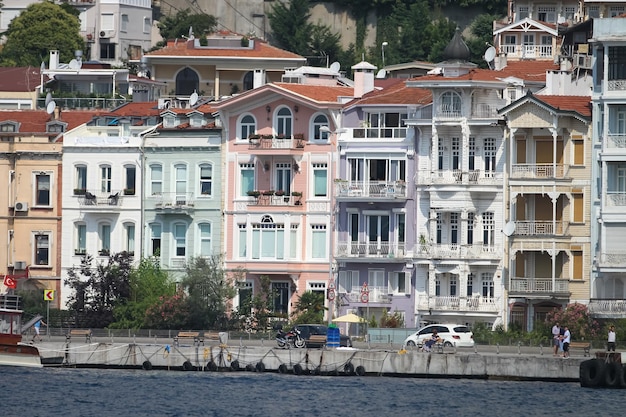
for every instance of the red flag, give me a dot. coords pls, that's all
(10, 282)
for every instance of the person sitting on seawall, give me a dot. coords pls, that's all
(610, 346)
(434, 338)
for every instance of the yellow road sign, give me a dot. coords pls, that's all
(48, 295)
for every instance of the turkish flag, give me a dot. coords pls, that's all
(10, 282)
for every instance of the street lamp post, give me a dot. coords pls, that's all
(383, 51)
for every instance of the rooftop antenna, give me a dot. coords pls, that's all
(193, 99)
(489, 56)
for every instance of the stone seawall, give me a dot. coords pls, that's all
(341, 361)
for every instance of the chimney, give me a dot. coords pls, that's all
(500, 61)
(363, 78)
(54, 59)
(259, 78)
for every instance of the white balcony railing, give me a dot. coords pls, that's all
(616, 141)
(456, 251)
(537, 171)
(370, 249)
(379, 133)
(538, 285)
(606, 306)
(615, 199)
(174, 200)
(456, 303)
(476, 177)
(527, 51)
(373, 189)
(541, 227)
(613, 259)
(616, 85)
(376, 295)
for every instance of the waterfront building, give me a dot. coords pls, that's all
(460, 164)
(278, 174)
(608, 192)
(102, 186)
(375, 205)
(30, 204)
(183, 177)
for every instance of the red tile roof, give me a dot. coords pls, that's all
(20, 79)
(320, 93)
(260, 49)
(147, 108)
(526, 69)
(397, 93)
(34, 121)
(579, 104)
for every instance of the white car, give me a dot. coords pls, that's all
(457, 335)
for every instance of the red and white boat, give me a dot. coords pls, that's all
(12, 351)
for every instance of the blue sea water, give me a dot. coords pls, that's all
(86, 392)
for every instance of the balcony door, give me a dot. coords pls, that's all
(378, 234)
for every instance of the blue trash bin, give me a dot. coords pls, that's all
(332, 337)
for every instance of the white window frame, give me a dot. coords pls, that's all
(181, 179)
(179, 241)
(283, 122)
(128, 184)
(80, 171)
(319, 253)
(156, 182)
(36, 188)
(107, 21)
(245, 128)
(80, 239)
(106, 178)
(316, 124)
(154, 238)
(205, 181)
(205, 239)
(124, 22)
(347, 281)
(394, 283)
(320, 167)
(130, 235)
(250, 168)
(105, 230)
(36, 262)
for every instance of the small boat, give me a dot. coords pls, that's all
(12, 351)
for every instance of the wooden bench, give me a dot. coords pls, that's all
(191, 336)
(317, 339)
(79, 332)
(212, 336)
(585, 346)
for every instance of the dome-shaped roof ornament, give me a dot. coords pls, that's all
(456, 50)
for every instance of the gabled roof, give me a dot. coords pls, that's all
(20, 79)
(528, 70)
(35, 121)
(146, 108)
(260, 49)
(574, 106)
(528, 25)
(396, 94)
(320, 93)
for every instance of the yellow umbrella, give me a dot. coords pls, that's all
(349, 318)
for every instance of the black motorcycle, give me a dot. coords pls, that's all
(289, 339)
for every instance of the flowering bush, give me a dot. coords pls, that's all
(576, 317)
(169, 312)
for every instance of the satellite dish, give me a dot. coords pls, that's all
(48, 98)
(335, 66)
(193, 99)
(490, 54)
(43, 66)
(381, 73)
(74, 64)
(509, 228)
(50, 107)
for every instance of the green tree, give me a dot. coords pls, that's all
(177, 26)
(148, 282)
(168, 312)
(209, 288)
(309, 308)
(97, 290)
(290, 26)
(324, 43)
(482, 38)
(263, 303)
(38, 29)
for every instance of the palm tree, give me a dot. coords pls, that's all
(309, 308)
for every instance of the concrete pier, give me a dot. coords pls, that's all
(452, 363)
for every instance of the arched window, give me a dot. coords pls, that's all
(247, 127)
(156, 179)
(187, 82)
(180, 239)
(248, 81)
(284, 122)
(319, 121)
(451, 103)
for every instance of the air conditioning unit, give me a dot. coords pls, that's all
(106, 34)
(21, 206)
(19, 265)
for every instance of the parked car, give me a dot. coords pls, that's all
(452, 335)
(308, 330)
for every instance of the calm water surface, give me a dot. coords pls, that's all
(81, 392)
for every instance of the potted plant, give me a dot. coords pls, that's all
(298, 196)
(254, 193)
(104, 252)
(80, 191)
(80, 251)
(267, 136)
(298, 136)
(280, 193)
(254, 138)
(129, 191)
(268, 192)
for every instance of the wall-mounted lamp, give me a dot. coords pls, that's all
(266, 167)
(268, 109)
(296, 108)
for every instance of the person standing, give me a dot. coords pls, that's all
(556, 338)
(567, 337)
(37, 327)
(610, 346)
